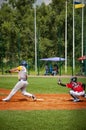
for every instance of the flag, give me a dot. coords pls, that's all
(79, 6)
(77, 2)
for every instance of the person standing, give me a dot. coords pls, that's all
(46, 70)
(22, 82)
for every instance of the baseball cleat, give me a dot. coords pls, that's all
(76, 100)
(5, 100)
(34, 98)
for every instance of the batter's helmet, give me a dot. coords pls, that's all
(23, 63)
(73, 79)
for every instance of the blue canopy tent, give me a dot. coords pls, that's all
(56, 59)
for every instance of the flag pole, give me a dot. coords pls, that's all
(82, 28)
(73, 39)
(35, 38)
(66, 38)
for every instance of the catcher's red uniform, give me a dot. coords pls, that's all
(76, 86)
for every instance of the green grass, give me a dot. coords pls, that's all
(42, 120)
(38, 84)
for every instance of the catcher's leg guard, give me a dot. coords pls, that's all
(73, 95)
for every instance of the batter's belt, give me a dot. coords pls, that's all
(22, 79)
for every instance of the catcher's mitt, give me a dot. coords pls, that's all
(59, 81)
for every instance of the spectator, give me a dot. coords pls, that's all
(46, 70)
(55, 70)
(50, 69)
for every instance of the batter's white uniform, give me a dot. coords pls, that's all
(21, 84)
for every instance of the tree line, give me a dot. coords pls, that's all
(17, 31)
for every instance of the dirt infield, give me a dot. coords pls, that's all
(46, 102)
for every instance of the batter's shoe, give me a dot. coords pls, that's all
(5, 100)
(34, 98)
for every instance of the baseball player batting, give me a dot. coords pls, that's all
(22, 82)
(77, 88)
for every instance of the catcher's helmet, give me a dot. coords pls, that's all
(23, 63)
(73, 79)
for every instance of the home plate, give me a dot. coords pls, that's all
(39, 99)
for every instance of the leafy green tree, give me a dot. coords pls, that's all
(17, 30)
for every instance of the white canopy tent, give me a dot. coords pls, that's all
(53, 59)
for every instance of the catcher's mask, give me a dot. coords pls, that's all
(24, 63)
(73, 79)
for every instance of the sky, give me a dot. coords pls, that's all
(1, 1)
(46, 1)
(79, 0)
(38, 2)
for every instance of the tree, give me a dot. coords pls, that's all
(17, 30)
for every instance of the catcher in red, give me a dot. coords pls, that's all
(77, 88)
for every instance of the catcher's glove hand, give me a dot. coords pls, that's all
(59, 82)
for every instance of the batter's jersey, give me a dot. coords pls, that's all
(22, 73)
(76, 86)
